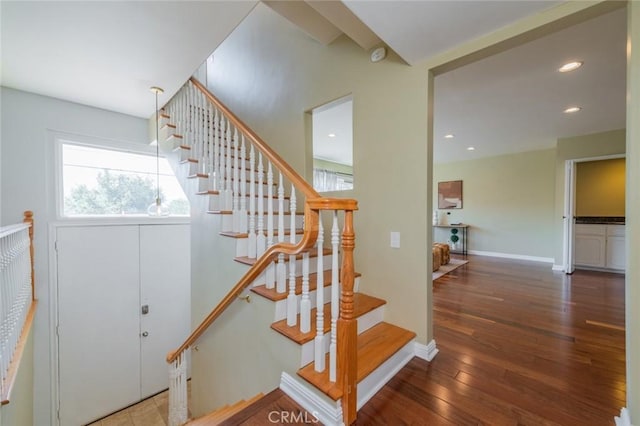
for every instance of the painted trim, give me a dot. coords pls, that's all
(624, 419)
(557, 268)
(512, 256)
(427, 352)
(53, 322)
(371, 384)
(327, 412)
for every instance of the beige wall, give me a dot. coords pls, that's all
(269, 73)
(600, 188)
(587, 146)
(632, 280)
(508, 200)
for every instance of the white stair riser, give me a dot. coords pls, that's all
(365, 322)
(371, 384)
(242, 244)
(313, 267)
(227, 225)
(281, 305)
(214, 204)
(204, 183)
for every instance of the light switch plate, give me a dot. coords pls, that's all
(395, 239)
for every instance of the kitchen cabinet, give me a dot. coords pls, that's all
(600, 246)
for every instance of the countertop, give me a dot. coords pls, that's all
(600, 220)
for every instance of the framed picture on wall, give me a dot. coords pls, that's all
(450, 194)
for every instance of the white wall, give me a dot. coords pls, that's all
(28, 184)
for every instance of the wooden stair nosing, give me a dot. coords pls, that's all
(222, 414)
(273, 295)
(238, 235)
(312, 253)
(362, 304)
(375, 346)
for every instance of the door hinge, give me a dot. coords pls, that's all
(55, 245)
(58, 330)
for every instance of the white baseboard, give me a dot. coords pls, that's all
(558, 268)
(624, 419)
(328, 412)
(426, 352)
(371, 384)
(512, 256)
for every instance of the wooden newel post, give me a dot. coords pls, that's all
(28, 218)
(347, 326)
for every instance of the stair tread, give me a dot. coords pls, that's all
(362, 304)
(272, 294)
(299, 231)
(223, 413)
(375, 346)
(312, 253)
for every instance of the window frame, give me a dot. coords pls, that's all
(61, 139)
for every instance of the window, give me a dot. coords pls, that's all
(98, 182)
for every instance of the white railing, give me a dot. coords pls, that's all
(234, 159)
(16, 293)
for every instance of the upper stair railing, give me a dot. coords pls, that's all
(17, 298)
(238, 169)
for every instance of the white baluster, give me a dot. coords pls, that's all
(281, 271)
(319, 358)
(178, 409)
(223, 161)
(261, 240)
(305, 303)
(210, 158)
(292, 303)
(217, 123)
(270, 275)
(236, 183)
(243, 188)
(252, 247)
(228, 192)
(335, 298)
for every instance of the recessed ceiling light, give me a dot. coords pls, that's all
(332, 135)
(449, 136)
(570, 66)
(470, 148)
(571, 110)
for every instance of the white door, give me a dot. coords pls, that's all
(165, 285)
(98, 317)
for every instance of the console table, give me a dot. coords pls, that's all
(462, 227)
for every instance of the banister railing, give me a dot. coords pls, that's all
(226, 156)
(17, 298)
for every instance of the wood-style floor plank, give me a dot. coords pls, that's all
(519, 345)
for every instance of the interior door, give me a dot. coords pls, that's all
(569, 217)
(98, 321)
(165, 289)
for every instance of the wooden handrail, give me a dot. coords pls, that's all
(275, 159)
(308, 240)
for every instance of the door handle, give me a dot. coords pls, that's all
(145, 333)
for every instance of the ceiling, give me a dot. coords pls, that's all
(108, 54)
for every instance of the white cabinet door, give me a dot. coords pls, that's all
(616, 252)
(165, 288)
(590, 250)
(98, 314)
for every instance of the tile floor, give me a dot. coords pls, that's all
(153, 411)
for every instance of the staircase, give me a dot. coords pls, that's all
(347, 351)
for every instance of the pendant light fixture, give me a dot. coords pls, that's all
(157, 209)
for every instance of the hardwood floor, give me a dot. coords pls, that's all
(519, 345)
